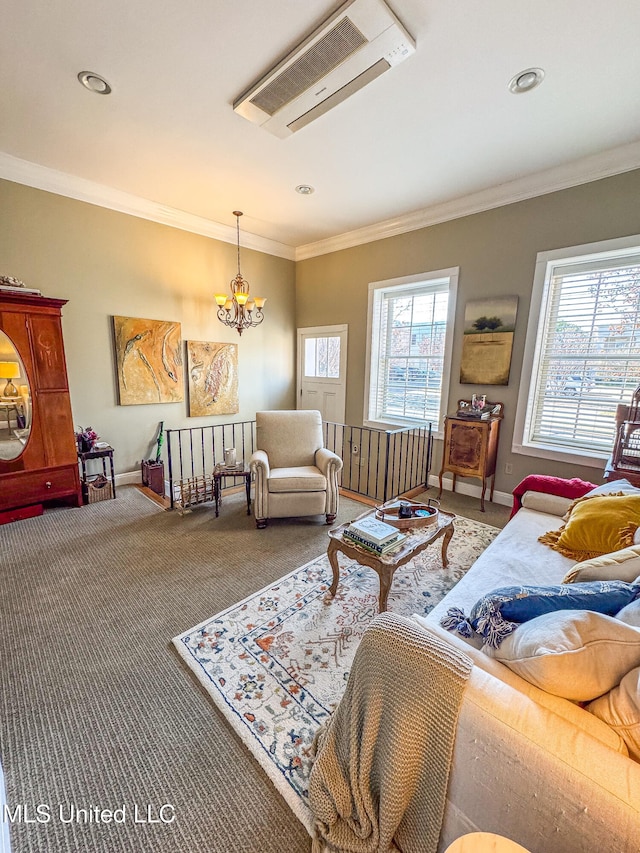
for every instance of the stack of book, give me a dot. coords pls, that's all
(473, 415)
(374, 535)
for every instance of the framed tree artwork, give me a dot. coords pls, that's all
(148, 361)
(213, 378)
(488, 340)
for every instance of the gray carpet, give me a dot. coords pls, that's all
(494, 514)
(98, 710)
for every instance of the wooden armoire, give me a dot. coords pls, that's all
(46, 469)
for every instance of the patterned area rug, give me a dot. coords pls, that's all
(276, 664)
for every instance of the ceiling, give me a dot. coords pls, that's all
(440, 128)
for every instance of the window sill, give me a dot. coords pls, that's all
(590, 459)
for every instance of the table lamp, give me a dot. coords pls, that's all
(9, 370)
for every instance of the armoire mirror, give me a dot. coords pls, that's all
(15, 401)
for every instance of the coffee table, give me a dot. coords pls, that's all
(418, 538)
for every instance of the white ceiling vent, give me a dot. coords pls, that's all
(360, 41)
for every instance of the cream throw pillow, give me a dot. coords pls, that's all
(620, 709)
(577, 654)
(622, 565)
(615, 487)
(630, 614)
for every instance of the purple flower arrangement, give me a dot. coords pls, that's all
(86, 438)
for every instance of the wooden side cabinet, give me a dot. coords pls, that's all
(471, 446)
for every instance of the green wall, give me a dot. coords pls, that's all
(496, 253)
(108, 263)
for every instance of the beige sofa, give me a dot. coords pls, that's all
(528, 765)
(534, 767)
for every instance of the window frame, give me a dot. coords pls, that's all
(545, 263)
(412, 282)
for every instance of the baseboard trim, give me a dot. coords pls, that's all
(502, 498)
(355, 496)
(128, 477)
(152, 496)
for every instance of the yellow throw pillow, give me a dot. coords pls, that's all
(596, 525)
(621, 565)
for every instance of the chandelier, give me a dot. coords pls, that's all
(240, 310)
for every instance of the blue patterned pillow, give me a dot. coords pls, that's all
(498, 614)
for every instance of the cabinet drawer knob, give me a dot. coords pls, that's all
(48, 484)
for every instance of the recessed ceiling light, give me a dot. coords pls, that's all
(94, 82)
(525, 81)
(304, 189)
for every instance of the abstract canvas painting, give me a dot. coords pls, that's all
(148, 361)
(488, 339)
(213, 378)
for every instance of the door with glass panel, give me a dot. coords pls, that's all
(322, 371)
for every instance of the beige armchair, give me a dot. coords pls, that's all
(294, 473)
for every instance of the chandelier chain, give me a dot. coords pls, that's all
(238, 215)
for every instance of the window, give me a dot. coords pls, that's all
(409, 349)
(322, 357)
(582, 356)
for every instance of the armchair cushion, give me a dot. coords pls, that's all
(305, 478)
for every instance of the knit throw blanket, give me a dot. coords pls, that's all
(379, 781)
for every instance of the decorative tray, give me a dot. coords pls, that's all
(421, 514)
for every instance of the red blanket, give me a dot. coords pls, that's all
(574, 488)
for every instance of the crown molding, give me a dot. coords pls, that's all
(603, 165)
(61, 183)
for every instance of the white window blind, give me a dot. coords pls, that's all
(587, 357)
(409, 351)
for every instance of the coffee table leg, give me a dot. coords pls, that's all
(445, 544)
(248, 488)
(332, 554)
(385, 586)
